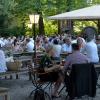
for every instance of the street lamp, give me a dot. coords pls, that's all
(29, 25)
(34, 18)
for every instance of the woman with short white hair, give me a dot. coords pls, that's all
(3, 67)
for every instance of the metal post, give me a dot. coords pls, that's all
(34, 40)
(98, 25)
(33, 28)
(34, 20)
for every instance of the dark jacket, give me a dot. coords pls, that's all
(83, 80)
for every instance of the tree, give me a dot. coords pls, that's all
(6, 8)
(15, 13)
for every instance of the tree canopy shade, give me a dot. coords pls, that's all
(14, 14)
(92, 12)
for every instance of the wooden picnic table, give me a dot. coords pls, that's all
(17, 54)
(64, 54)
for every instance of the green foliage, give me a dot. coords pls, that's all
(79, 25)
(6, 15)
(14, 14)
(50, 28)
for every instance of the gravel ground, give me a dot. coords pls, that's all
(21, 88)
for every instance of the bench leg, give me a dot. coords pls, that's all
(7, 97)
(11, 77)
(17, 76)
(5, 77)
(29, 76)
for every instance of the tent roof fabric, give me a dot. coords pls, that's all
(92, 12)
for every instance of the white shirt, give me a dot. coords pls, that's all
(31, 39)
(56, 50)
(91, 51)
(66, 48)
(30, 46)
(5, 41)
(3, 67)
(2, 43)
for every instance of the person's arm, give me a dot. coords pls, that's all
(52, 68)
(67, 63)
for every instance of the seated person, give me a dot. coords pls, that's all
(29, 45)
(3, 67)
(66, 46)
(17, 46)
(53, 76)
(76, 57)
(81, 42)
(39, 46)
(56, 51)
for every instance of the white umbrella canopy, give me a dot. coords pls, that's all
(92, 12)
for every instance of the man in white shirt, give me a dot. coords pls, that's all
(3, 67)
(92, 51)
(91, 48)
(29, 45)
(66, 46)
(56, 49)
(31, 39)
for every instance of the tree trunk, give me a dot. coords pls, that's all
(98, 25)
(59, 30)
(69, 22)
(3, 26)
(41, 25)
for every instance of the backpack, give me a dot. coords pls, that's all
(39, 94)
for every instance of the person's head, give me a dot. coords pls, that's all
(27, 40)
(75, 47)
(89, 33)
(15, 42)
(67, 40)
(55, 41)
(79, 40)
(46, 40)
(38, 41)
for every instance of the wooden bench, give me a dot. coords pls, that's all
(4, 92)
(15, 68)
(11, 73)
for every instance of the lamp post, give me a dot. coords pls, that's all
(34, 18)
(29, 25)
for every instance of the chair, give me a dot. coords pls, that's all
(37, 82)
(81, 81)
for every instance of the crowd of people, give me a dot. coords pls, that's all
(55, 45)
(82, 50)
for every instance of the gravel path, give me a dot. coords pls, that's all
(21, 88)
